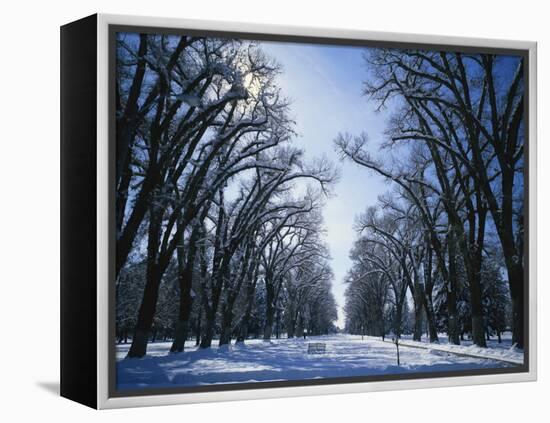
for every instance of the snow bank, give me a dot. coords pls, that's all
(503, 351)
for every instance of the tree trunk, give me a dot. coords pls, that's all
(122, 196)
(225, 335)
(250, 290)
(246, 273)
(185, 280)
(150, 294)
(430, 317)
(208, 335)
(269, 314)
(474, 278)
(243, 329)
(427, 290)
(180, 336)
(452, 289)
(206, 341)
(270, 306)
(516, 294)
(145, 316)
(291, 328)
(417, 335)
(198, 334)
(398, 319)
(219, 269)
(277, 322)
(478, 330)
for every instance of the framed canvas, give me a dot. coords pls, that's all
(253, 211)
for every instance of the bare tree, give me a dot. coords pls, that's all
(471, 108)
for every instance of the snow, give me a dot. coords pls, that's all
(191, 100)
(286, 359)
(503, 351)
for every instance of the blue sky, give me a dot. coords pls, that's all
(325, 86)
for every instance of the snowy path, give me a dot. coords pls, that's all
(284, 359)
(508, 355)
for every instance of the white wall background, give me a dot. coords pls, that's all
(29, 207)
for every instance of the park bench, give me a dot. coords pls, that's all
(316, 348)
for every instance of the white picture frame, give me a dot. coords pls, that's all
(103, 364)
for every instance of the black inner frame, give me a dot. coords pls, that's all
(113, 392)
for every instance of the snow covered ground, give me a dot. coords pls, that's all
(285, 359)
(500, 351)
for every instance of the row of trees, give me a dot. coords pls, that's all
(450, 234)
(213, 235)
(393, 261)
